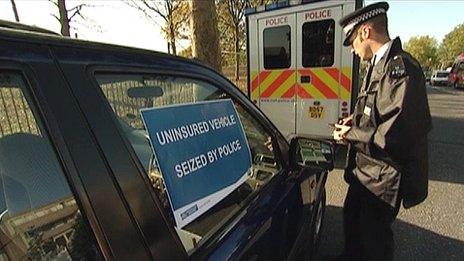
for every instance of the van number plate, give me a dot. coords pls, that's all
(316, 112)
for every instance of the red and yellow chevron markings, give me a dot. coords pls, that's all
(273, 84)
(326, 83)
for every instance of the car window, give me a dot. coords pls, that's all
(318, 43)
(39, 218)
(119, 91)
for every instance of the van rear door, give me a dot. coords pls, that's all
(276, 81)
(323, 84)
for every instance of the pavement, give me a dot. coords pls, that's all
(433, 230)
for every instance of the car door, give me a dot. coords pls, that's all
(259, 220)
(58, 200)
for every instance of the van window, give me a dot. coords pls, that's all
(39, 217)
(276, 41)
(318, 43)
(179, 90)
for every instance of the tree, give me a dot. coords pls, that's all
(204, 32)
(173, 12)
(187, 52)
(424, 49)
(15, 10)
(452, 45)
(231, 24)
(68, 16)
(64, 19)
(231, 18)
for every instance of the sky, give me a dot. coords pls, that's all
(123, 25)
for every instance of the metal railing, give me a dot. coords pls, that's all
(15, 113)
(128, 108)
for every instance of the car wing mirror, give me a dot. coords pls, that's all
(312, 153)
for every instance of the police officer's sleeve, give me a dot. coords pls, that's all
(359, 135)
(404, 115)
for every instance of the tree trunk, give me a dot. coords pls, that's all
(205, 36)
(64, 20)
(172, 41)
(173, 47)
(237, 53)
(15, 10)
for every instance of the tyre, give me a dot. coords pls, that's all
(455, 85)
(316, 226)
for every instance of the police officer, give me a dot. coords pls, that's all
(388, 136)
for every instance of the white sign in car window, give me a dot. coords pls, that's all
(202, 152)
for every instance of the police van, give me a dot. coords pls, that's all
(299, 73)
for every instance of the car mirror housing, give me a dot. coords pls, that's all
(145, 92)
(312, 153)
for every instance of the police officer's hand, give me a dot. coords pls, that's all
(268, 144)
(339, 133)
(346, 121)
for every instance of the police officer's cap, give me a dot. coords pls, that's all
(350, 21)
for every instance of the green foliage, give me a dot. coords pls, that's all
(452, 45)
(231, 24)
(425, 50)
(187, 52)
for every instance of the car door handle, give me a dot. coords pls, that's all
(305, 79)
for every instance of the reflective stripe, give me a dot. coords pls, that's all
(302, 93)
(256, 79)
(285, 81)
(344, 92)
(290, 93)
(326, 83)
(309, 88)
(263, 85)
(320, 85)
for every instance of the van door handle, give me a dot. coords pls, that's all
(305, 79)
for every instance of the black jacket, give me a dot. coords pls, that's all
(390, 125)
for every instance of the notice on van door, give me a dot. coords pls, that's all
(202, 152)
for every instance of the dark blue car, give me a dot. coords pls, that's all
(79, 179)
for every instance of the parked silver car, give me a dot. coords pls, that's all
(439, 77)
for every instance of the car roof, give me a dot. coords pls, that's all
(27, 33)
(19, 26)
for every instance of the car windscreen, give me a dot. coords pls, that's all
(442, 74)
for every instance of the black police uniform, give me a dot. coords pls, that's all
(391, 120)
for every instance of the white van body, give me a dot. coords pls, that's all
(299, 72)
